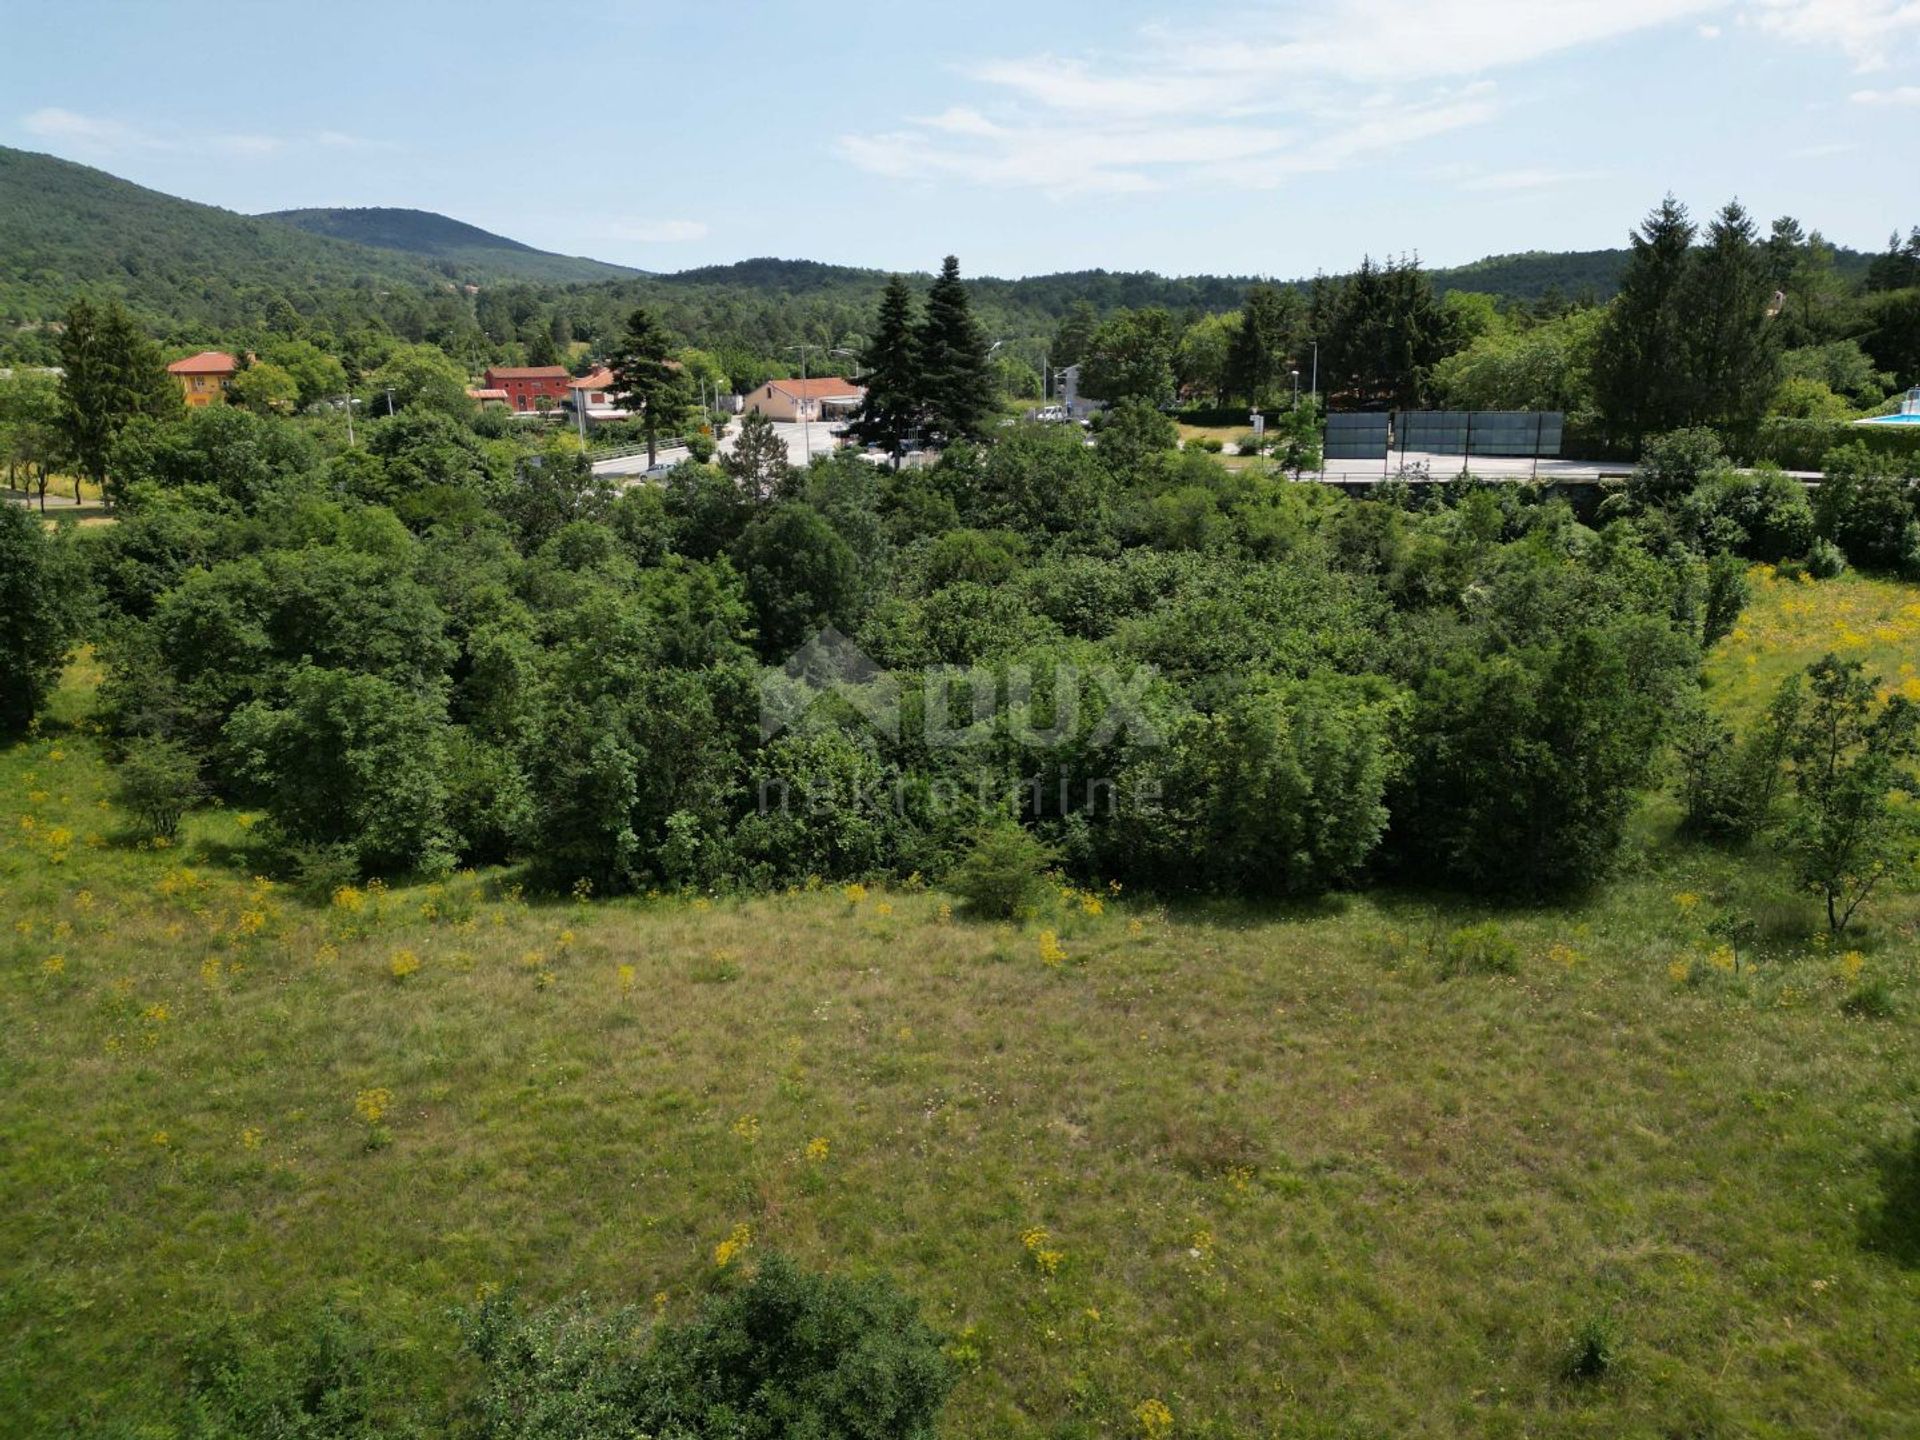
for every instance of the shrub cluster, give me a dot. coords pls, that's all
(446, 647)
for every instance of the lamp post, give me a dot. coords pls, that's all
(1296, 388)
(806, 402)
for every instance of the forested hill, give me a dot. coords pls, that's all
(441, 238)
(67, 227)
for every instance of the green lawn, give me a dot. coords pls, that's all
(1292, 1180)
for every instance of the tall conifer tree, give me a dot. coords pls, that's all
(956, 385)
(890, 414)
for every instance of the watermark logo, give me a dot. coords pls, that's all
(829, 681)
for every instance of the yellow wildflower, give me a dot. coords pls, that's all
(817, 1148)
(855, 893)
(1680, 971)
(403, 964)
(53, 964)
(1156, 1420)
(1051, 952)
(626, 974)
(725, 1252)
(747, 1128)
(371, 1105)
(350, 899)
(251, 1137)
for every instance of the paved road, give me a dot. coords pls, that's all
(824, 440)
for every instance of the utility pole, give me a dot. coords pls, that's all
(1316, 372)
(806, 401)
(347, 400)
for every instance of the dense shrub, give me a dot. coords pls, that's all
(158, 781)
(1003, 873)
(785, 1355)
(1867, 507)
(42, 595)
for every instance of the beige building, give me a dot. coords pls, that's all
(826, 398)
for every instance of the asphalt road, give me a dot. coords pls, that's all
(824, 440)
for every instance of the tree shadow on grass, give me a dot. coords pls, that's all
(1892, 1227)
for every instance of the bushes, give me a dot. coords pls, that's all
(1003, 873)
(1867, 508)
(1483, 949)
(1279, 792)
(355, 761)
(159, 781)
(42, 595)
(787, 1354)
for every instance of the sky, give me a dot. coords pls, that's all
(1271, 137)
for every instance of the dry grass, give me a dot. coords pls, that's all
(1295, 1182)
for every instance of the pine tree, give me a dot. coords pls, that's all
(1732, 362)
(890, 414)
(645, 380)
(1264, 344)
(110, 373)
(1640, 372)
(758, 461)
(1075, 336)
(956, 387)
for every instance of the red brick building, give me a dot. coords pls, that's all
(526, 385)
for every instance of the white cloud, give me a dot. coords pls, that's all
(1709, 32)
(87, 132)
(98, 136)
(1869, 32)
(1251, 103)
(1899, 95)
(651, 232)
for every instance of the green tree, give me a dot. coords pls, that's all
(1728, 340)
(420, 377)
(800, 575)
(42, 602)
(1383, 337)
(351, 761)
(1264, 345)
(1851, 754)
(1203, 360)
(319, 376)
(646, 382)
(956, 385)
(890, 414)
(1131, 358)
(1640, 368)
(758, 461)
(32, 438)
(1074, 338)
(266, 388)
(111, 372)
(158, 781)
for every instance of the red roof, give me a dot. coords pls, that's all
(486, 395)
(821, 387)
(529, 372)
(599, 378)
(207, 362)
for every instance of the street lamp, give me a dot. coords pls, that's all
(806, 402)
(1296, 388)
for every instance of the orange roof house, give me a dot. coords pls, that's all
(806, 399)
(204, 378)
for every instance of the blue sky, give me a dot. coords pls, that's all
(1251, 136)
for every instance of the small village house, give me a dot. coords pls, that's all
(527, 385)
(824, 398)
(204, 378)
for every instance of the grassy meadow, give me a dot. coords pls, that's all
(1279, 1171)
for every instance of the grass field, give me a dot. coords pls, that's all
(1292, 1179)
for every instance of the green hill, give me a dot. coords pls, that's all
(467, 248)
(66, 227)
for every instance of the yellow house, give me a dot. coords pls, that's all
(204, 377)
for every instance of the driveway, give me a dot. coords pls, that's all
(795, 436)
